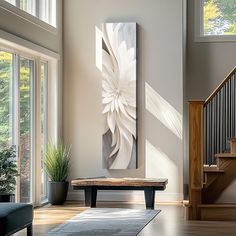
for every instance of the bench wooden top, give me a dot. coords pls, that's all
(129, 182)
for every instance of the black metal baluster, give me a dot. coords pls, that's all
(212, 130)
(228, 115)
(208, 133)
(220, 120)
(230, 108)
(234, 104)
(205, 134)
(218, 124)
(224, 118)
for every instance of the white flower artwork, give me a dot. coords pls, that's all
(119, 95)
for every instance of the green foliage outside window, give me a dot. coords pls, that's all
(8, 170)
(6, 114)
(5, 98)
(6, 103)
(25, 127)
(219, 17)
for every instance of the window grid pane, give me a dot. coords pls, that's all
(6, 76)
(25, 116)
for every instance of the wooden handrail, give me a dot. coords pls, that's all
(228, 77)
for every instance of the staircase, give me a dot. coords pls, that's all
(212, 152)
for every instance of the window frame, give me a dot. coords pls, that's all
(199, 27)
(37, 58)
(14, 44)
(34, 19)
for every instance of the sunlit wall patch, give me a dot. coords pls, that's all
(119, 95)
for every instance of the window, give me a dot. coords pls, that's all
(216, 20)
(45, 10)
(24, 118)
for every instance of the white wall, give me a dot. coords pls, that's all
(160, 88)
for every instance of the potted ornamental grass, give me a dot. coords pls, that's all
(57, 164)
(8, 173)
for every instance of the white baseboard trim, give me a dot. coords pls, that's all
(126, 196)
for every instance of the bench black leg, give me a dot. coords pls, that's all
(149, 197)
(87, 192)
(30, 230)
(93, 197)
(90, 196)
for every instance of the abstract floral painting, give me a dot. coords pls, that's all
(119, 95)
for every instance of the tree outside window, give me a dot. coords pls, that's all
(219, 17)
(6, 63)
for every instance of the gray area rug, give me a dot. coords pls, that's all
(106, 222)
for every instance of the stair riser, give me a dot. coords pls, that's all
(218, 214)
(233, 147)
(225, 162)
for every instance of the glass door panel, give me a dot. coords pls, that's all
(6, 76)
(25, 128)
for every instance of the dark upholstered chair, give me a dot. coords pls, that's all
(15, 217)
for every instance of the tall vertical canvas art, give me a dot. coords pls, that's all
(119, 95)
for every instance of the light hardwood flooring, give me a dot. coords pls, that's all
(170, 222)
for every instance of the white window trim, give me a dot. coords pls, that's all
(43, 198)
(199, 27)
(19, 44)
(28, 17)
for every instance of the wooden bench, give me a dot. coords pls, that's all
(91, 185)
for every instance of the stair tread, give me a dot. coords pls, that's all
(205, 165)
(232, 139)
(212, 168)
(232, 155)
(221, 205)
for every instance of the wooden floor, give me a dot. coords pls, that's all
(170, 222)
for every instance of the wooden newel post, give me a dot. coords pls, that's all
(195, 157)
